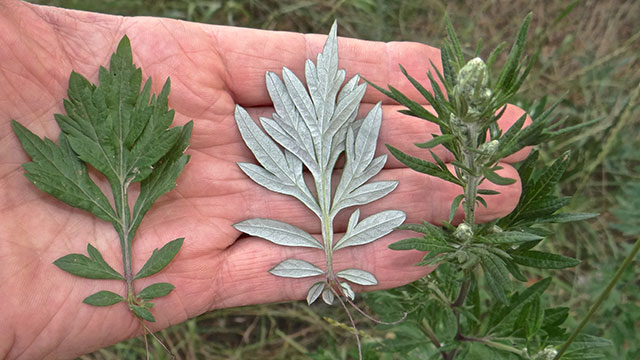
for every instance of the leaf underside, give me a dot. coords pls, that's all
(311, 128)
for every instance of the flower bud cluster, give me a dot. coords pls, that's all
(548, 353)
(472, 82)
(487, 151)
(463, 232)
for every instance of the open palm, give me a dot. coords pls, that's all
(212, 68)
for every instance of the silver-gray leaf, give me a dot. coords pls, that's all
(358, 276)
(347, 290)
(278, 133)
(372, 228)
(365, 194)
(327, 296)
(372, 170)
(314, 292)
(295, 268)
(278, 232)
(263, 148)
(268, 180)
(312, 126)
(353, 220)
(367, 137)
(303, 104)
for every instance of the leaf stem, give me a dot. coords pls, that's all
(625, 264)
(504, 347)
(426, 328)
(353, 324)
(471, 179)
(126, 236)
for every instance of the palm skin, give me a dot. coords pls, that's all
(212, 68)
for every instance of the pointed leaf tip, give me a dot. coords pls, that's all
(160, 258)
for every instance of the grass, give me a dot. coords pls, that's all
(588, 53)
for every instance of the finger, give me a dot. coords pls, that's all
(249, 53)
(244, 278)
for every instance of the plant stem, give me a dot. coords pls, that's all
(625, 264)
(126, 236)
(504, 347)
(471, 179)
(324, 200)
(462, 295)
(426, 328)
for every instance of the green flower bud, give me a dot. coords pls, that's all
(490, 147)
(472, 82)
(548, 353)
(463, 232)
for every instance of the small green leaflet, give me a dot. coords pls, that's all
(93, 267)
(121, 130)
(103, 298)
(160, 258)
(142, 312)
(155, 291)
(311, 128)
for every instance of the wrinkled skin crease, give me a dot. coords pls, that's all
(212, 68)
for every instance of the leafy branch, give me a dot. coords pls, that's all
(122, 132)
(468, 120)
(311, 129)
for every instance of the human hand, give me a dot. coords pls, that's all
(212, 69)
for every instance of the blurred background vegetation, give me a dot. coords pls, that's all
(588, 54)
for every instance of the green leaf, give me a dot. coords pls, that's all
(514, 270)
(160, 258)
(517, 302)
(555, 316)
(454, 206)
(508, 237)
(155, 291)
(543, 260)
(582, 345)
(488, 192)
(435, 141)
(95, 255)
(103, 298)
(534, 317)
(57, 171)
(453, 42)
(163, 178)
(426, 228)
(510, 68)
(93, 267)
(567, 217)
(492, 176)
(122, 132)
(423, 166)
(142, 313)
(544, 206)
(497, 275)
(421, 244)
(116, 127)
